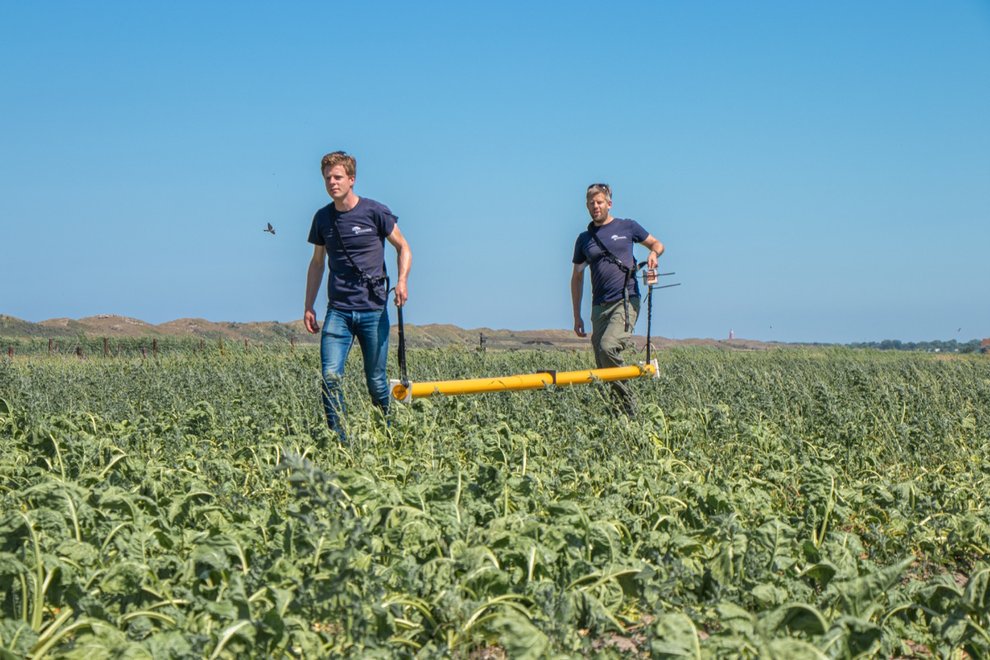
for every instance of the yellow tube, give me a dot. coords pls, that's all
(521, 382)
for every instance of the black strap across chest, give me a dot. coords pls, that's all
(607, 254)
(372, 282)
(626, 270)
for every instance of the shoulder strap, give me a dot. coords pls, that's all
(363, 276)
(608, 253)
(630, 273)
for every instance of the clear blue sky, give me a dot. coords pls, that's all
(818, 171)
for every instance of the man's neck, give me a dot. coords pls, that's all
(347, 203)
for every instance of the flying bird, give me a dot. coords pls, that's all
(269, 229)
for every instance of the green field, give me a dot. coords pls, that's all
(792, 504)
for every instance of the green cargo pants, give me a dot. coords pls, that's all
(609, 338)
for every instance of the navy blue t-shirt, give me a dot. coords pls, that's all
(607, 279)
(363, 230)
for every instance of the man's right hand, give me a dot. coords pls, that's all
(579, 328)
(309, 319)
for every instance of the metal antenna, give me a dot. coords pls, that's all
(649, 308)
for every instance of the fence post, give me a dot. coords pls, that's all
(10, 352)
(79, 352)
(106, 347)
(144, 352)
(292, 343)
(50, 342)
(245, 343)
(154, 347)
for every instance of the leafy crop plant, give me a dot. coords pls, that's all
(798, 503)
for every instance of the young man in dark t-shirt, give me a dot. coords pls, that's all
(614, 290)
(350, 233)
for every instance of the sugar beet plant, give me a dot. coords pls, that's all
(790, 504)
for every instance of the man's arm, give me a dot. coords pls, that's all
(656, 249)
(403, 257)
(314, 276)
(577, 290)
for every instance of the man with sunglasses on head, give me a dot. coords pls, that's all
(350, 234)
(607, 245)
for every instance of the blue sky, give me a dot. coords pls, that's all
(818, 171)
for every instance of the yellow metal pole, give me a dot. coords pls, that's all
(520, 382)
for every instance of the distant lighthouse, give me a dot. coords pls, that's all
(732, 335)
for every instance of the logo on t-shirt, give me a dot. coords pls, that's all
(616, 237)
(360, 230)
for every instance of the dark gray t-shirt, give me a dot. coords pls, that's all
(607, 279)
(363, 230)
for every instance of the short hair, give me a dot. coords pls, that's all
(335, 158)
(596, 188)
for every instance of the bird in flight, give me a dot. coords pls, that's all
(269, 229)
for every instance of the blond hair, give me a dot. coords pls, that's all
(335, 158)
(602, 188)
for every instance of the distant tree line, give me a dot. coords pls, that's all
(950, 346)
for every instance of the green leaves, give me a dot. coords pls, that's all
(797, 618)
(791, 504)
(676, 637)
(16, 639)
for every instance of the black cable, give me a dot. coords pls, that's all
(403, 375)
(649, 310)
(649, 320)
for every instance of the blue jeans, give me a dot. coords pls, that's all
(339, 330)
